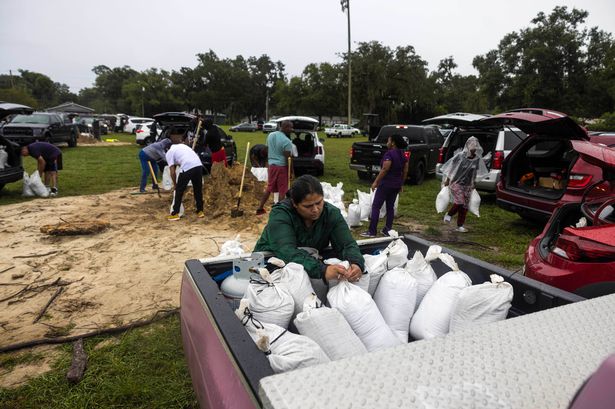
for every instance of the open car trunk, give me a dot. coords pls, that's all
(541, 167)
(304, 142)
(487, 139)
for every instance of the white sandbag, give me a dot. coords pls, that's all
(443, 199)
(363, 282)
(375, 267)
(363, 315)
(482, 304)
(365, 204)
(397, 254)
(284, 350)
(232, 247)
(37, 186)
(329, 329)
(167, 182)
(474, 204)
(268, 301)
(354, 214)
(182, 209)
(26, 190)
(396, 300)
(4, 157)
(260, 174)
(297, 282)
(420, 268)
(432, 318)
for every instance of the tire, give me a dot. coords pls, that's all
(596, 290)
(419, 174)
(364, 175)
(72, 142)
(339, 135)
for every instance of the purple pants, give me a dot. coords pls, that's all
(388, 195)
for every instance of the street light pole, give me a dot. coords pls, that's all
(346, 6)
(142, 101)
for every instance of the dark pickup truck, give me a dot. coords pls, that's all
(40, 126)
(424, 143)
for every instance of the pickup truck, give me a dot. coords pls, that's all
(424, 143)
(341, 130)
(537, 358)
(40, 126)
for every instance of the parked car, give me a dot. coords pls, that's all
(133, 121)
(497, 142)
(244, 127)
(546, 170)
(341, 130)
(40, 126)
(576, 249)
(422, 151)
(147, 133)
(12, 170)
(88, 124)
(270, 126)
(605, 138)
(309, 155)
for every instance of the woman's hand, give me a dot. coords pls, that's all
(374, 185)
(446, 182)
(354, 273)
(335, 272)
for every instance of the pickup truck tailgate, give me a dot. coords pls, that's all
(533, 361)
(368, 153)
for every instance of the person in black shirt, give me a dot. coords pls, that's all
(49, 161)
(213, 141)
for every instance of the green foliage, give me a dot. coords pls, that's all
(605, 123)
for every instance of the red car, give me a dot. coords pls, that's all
(546, 170)
(579, 259)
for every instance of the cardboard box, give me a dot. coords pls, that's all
(550, 183)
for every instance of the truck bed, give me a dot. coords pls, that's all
(227, 368)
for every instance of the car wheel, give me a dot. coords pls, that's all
(596, 290)
(72, 142)
(339, 135)
(419, 174)
(364, 175)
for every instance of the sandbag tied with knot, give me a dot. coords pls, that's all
(329, 329)
(284, 350)
(396, 300)
(420, 268)
(433, 316)
(296, 280)
(269, 302)
(397, 254)
(362, 283)
(361, 312)
(482, 303)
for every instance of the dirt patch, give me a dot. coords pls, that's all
(22, 373)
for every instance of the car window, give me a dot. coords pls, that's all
(511, 140)
(434, 136)
(31, 119)
(412, 134)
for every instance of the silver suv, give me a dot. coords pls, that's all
(497, 142)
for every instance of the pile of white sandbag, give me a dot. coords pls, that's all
(34, 186)
(260, 174)
(335, 196)
(445, 197)
(365, 204)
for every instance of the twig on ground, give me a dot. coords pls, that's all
(53, 297)
(79, 362)
(215, 242)
(37, 255)
(16, 294)
(171, 276)
(7, 269)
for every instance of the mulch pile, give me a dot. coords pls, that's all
(75, 228)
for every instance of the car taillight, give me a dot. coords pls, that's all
(498, 159)
(441, 154)
(407, 155)
(351, 152)
(579, 181)
(576, 248)
(140, 130)
(319, 150)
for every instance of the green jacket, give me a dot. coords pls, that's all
(286, 231)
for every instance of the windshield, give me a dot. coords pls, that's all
(31, 119)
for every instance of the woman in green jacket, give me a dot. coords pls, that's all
(304, 219)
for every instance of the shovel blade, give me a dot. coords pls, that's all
(236, 212)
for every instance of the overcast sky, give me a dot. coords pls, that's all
(65, 39)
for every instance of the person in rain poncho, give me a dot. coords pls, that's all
(459, 173)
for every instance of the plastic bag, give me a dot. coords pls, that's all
(443, 199)
(167, 182)
(474, 203)
(260, 174)
(396, 300)
(232, 247)
(27, 190)
(354, 214)
(37, 186)
(365, 204)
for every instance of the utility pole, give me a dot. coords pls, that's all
(142, 101)
(346, 7)
(267, 105)
(11, 74)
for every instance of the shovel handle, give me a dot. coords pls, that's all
(243, 175)
(196, 136)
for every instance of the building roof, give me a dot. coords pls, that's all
(71, 107)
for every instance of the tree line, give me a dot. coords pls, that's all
(554, 63)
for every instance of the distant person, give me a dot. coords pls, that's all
(49, 162)
(213, 141)
(154, 154)
(191, 170)
(279, 149)
(258, 156)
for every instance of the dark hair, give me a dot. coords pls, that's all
(208, 123)
(399, 141)
(303, 186)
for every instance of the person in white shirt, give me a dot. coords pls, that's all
(191, 170)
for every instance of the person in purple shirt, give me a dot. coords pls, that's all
(388, 183)
(49, 162)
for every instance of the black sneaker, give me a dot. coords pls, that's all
(385, 233)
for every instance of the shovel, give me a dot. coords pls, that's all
(236, 212)
(154, 177)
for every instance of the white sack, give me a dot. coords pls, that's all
(396, 300)
(285, 351)
(260, 174)
(420, 268)
(432, 318)
(4, 157)
(363, 282)
(268, 301)
(27, 190)
(362, 314)
(375, 267)
(354, 214)
(397, 254)
(294, 277)
(474, 203)
(37, 186)
(365, 204)
(482, 304)
(329, 329)
(443, 199)
(232, 247)
(167, 182)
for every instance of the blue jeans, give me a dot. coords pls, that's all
(145, 169)
(388, 195)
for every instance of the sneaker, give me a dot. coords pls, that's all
(200, 214)
(260, 212)
(447, 218)
(461, 229)
(385, 233)
(173, 217)
(367, 234)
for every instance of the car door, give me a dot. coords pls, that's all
(434, 141)
(57, 129)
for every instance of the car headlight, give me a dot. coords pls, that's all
(37, 132)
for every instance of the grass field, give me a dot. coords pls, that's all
(145, 368)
